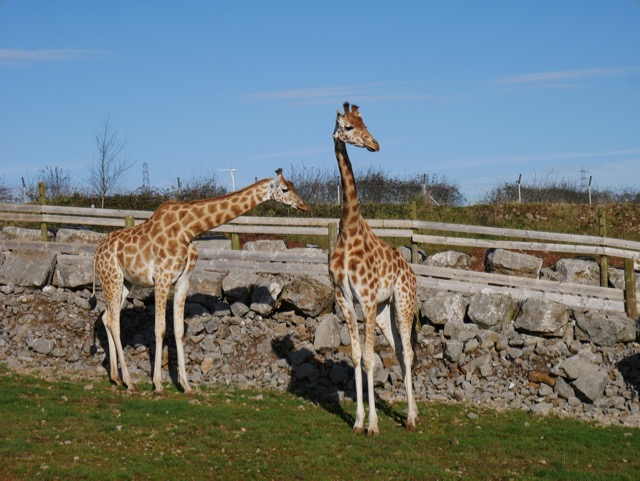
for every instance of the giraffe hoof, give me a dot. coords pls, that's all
(358, 429)
(372, 433)
(411, 426)
(131, 388)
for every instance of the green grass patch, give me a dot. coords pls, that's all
(64, 430)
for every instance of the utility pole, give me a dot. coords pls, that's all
(145, 175)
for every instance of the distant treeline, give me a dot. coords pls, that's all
(322, 188)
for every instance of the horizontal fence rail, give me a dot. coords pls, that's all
(416, 231)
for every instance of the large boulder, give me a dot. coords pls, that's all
(616, 279)
(501, 261)
(205, 281)
(265, 245)
(492, 310)
(265, 294)
(543, 317)
(28, 268)
(579, 271)
(456, 260)
(73, 271)
(311, 295)
(238, 286)
(604, 328)
(22, 233)
(79, 236)
(441, 307)
(327, 334)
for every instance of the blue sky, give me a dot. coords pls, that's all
(476, 91)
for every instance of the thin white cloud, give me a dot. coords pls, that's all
(20, 56)
(506, 160)
(363, 92)
(560, 78)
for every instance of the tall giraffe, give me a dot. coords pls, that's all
(366, 269)
(159, 253)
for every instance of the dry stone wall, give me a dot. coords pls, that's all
(267, 331)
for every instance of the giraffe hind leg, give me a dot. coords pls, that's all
(349, 315)
(179, 298)
(404, 311)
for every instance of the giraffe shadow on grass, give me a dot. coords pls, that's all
(326, 383)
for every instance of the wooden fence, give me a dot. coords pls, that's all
(414, 231)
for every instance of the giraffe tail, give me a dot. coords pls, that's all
(417, 326)
(93, 302)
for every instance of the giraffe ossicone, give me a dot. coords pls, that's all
(369, 271)
(159, 253)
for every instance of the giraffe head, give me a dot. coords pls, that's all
(282, 191)
(350, 129)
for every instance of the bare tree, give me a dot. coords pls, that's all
(5, 193)
(109, 168)
(57, 180)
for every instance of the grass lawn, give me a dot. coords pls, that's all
(92, 431)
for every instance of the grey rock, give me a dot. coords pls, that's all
(79, 236)
(311, 295)
(238, 286)
(591, 385)
(443, 307)
(28, 268)
(73, 271)
(453, 350)
(563, 389)
(579, 271)
(265, 245)
(456, 260)
(492, 311)
(42, 346)
(573, 368)
(543, 317)
(239, 309)
(327, 335)
(604, 328)
(265, 294)
(501, 261)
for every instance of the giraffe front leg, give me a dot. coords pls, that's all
(162, 291)
(369, 315)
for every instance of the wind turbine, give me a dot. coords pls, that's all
(232, 171)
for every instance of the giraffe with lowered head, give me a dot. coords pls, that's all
(366, 269)
(160, 253)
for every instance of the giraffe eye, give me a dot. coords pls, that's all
(285, 189)
(348, 127)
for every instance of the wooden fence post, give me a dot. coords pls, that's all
(129, 221)
(630, 290)
(604, 261)
(235, 241)
(414, 245)
(42, 200)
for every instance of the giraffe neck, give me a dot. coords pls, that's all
(350, 209)
(207, 214)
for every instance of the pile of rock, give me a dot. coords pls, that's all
(270, 331)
